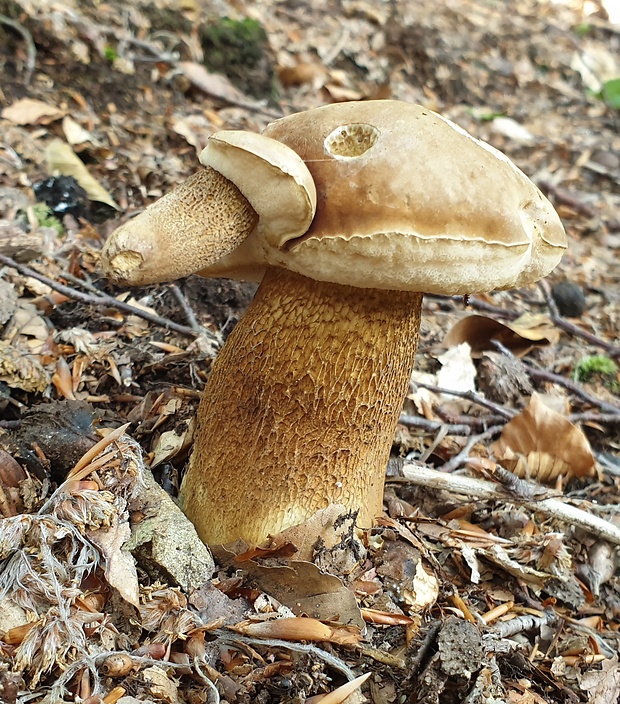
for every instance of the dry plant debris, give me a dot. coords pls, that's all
(477, 585)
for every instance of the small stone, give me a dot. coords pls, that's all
(569, 299)
(165, 543)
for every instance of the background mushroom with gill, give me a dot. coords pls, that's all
(388, 200)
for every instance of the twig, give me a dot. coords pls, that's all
(460, 458)
(544, 375)
(594, 418)
(482, 489)
(523, 622)
(469, 396)
(189, 313)
(424, 648)
(478, 422)
(565, 197)
(328, 658)
(466, 427)
(560, 322)
(101, 299)
(31, 49)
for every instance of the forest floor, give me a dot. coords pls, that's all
(493, 575)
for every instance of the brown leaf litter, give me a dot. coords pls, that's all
(478, 584)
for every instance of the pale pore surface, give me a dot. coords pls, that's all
(197, 223)
(300, 408)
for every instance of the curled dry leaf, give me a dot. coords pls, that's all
(520, 335)
(173, 443)
(542, 444)
(300, 628)
(386, 618)
(341, 694)
(31, 112)
(457, 372)
(213, 84)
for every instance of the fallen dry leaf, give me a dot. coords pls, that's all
(306, 590)
(542, 444)
(75, 133)
(213, 84)
(173, 442)
(602, 685)
(300, 628)
(62, 159)
(457, 372)
(120, 567)
(341, 694)
(31, 112)
(520, 335)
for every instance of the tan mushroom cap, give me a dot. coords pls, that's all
(408, 200)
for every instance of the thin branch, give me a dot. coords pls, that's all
(613, 418)
(469, 396)
(560, 322)
(189, 313)
(521, 623)
(466, 426)
(331, 660)
(460, 458)
(31, 49)
(101, 299)
(544, 375)
(482, 489)
(477, 304)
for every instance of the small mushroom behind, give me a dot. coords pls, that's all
(302, 402)
(207, 216)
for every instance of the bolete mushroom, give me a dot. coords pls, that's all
(303, 399)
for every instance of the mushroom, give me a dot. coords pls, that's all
(207, 216)
(300, 409)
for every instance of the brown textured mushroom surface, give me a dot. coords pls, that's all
(300, 408)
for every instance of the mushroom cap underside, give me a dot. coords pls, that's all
(406, 200)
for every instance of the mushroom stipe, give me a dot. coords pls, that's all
(355, 210)
(319, 375)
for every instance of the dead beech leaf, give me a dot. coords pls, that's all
(195, 129)
(62, 159)
(520, 335)
(75, 134)
(327, 526)
(341, 694)
(306, 590)
(120, 566)
(300, 628)
(301, 73)
(31, 112)
(213, 84)
(542, 444)
(173, 443)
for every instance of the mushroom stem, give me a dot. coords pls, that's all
(300, 409)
